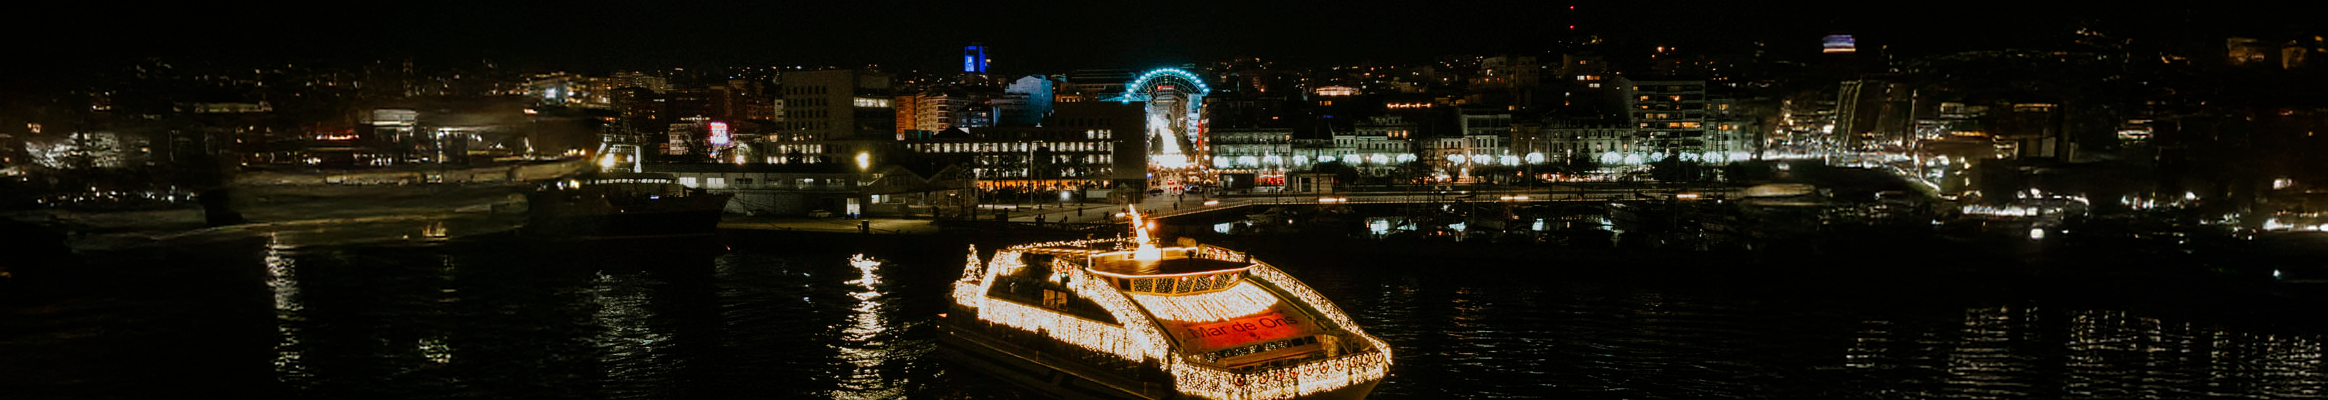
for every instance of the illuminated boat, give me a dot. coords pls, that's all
(1123, 318)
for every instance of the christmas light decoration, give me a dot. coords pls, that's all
(1351, 357)
(1240, 300)
(1147, 251)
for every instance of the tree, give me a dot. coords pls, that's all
(1673, 169)
(1580, 164)
(1342, 172)
(1413, 171)
(1496, 173)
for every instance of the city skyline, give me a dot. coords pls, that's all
(1032, 41)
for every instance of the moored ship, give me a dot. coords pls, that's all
(1123, 318)
(624, 206)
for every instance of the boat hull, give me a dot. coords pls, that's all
(691, 216)
(1066, 380)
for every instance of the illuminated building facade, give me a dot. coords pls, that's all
(1083, 145)
(1377, 143)
(940, 111)
(828, 113)
(1251, 150)
(1670, 114)
(974, 59)
(1563, 140)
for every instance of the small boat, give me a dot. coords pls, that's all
(1124, 318)
(624, 206)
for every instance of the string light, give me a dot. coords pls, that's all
(1238, 301)
(1147, 250)
(973, 270)
(1137, 336)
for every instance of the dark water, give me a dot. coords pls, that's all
(792, 319)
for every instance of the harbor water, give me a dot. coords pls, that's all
(792, 317)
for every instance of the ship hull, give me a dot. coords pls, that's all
(671, 217)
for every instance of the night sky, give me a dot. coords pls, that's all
(1035, 38)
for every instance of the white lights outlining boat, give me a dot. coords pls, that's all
(1101, 318)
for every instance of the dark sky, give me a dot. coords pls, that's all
(1028, 38)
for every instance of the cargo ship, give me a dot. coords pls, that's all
(1125, 318)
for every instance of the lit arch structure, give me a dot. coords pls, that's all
(1174, 131)
(1143, 88)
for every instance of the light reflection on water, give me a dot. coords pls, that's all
(861, 342)
(1488, 335)
(283, 285)
(639, 324)
(636, 355)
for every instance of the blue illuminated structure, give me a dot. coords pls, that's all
(1144, 87)
(1139, 89)
(974, 59)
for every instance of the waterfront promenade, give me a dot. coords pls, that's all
(1168, 206)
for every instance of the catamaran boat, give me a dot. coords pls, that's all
(1125, 318)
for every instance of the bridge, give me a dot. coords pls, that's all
(1557, 194)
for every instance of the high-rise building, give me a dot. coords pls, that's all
(974, 59)
(908, 111)
(837, 105)
(1089, 144)
(826, 112)
(1670, 114)
(739, 100)
(939, 111)
(688, 103)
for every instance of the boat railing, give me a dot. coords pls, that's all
(1216, 253)
(1281, 382)
(1120, 374)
